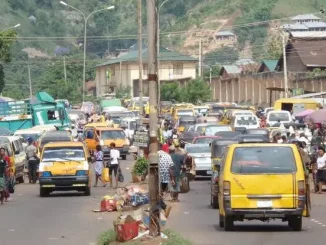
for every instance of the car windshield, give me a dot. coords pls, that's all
(217, 109)
(35, 136)
(246, 121)
(185, 112)
(116, 120)
(198, 149)
(279, 116)
(113, 134)
(263, 160)
(212, 130)
(75, 153)
(203, 140)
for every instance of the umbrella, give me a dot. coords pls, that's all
(318, 116)
(305, 113)
(5, 132)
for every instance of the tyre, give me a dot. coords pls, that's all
(87, 191)
(228, 223)
(214, 202)
(44, 192)
(20, 179)
(295, 223)
(124, 157)
(221, 221)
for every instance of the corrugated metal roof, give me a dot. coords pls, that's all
(232, 69)
(165, 55)
(271, 64)
(308, 34)
(295, 27)
(305, 17)
(315, 24)
(311, 52)
(225, 33)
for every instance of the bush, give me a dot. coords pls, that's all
(141, 166)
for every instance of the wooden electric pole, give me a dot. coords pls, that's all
(153, 182)
(200, 70)
(140, 60)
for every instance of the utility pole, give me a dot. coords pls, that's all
(285, 70)
(200, 70)
(30, 82)
(153, 182)
(64, 68)
(140, 60)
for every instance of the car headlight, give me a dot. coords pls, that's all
(101, 142)
(46, 174)
(81, 172)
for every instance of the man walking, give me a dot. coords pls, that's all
(32, 160)
(175, 174)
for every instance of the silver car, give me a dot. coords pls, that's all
(201, 155)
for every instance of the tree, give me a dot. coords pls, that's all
(215, 72)
(196, 91)
(274, 47)
(7, 38)
(123, 92)
(170, 91)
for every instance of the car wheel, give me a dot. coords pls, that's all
(20, 179)
(87, 191)
(221, 221)
(44, 192)
(295, 223)
(228, 223)
(214, 202)
(124, 157)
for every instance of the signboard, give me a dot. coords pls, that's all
(141, 138)
(297, 91)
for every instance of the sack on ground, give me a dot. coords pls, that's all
(105, 175)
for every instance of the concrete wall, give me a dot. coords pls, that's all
(251, 89)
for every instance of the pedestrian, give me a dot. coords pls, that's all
(165, 146)
(175, 174)
(31, 155)
(98, 165)
(321, 169)
(3, 171)
(165, 162)
(7, 174)
(180, 150)
(109, 122)
(114, 164)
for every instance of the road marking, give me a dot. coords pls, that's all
(11, 230)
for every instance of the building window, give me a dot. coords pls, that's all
(177, 69)
(145, 69)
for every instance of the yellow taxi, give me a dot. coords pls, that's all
(65, 166)
(263, 181)
(104, 136)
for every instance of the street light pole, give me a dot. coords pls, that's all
(85, 38)
(9, 28)
(158, 53)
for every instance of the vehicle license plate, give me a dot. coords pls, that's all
(209, 172)
(264, 204)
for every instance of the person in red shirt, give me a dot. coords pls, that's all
(7, 173)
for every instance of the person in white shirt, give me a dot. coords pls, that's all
(321, 169)
(110, 122)
(114, 164)
(303, 138)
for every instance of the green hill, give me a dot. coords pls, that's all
(47, 25)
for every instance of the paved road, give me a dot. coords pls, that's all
(65, 219)
(194, 219)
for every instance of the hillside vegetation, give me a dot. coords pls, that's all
(110, 31)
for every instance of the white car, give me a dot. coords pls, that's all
(248, 122)
(275, 117)
(201, 155)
